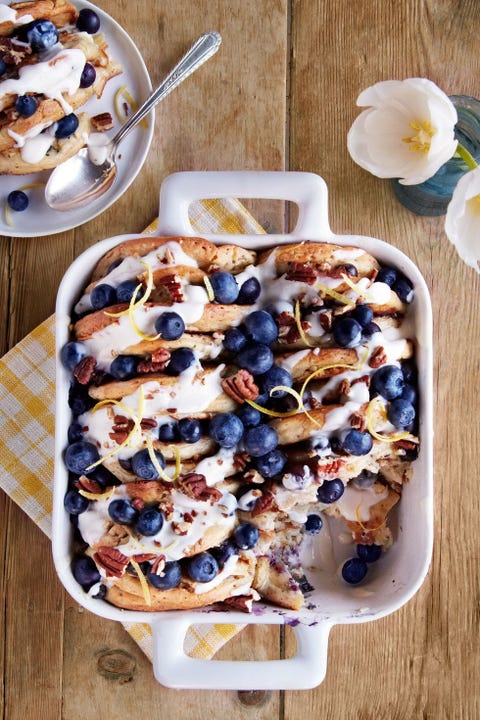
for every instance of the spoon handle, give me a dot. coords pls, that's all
(206, 46)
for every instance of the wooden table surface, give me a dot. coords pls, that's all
(280, 94)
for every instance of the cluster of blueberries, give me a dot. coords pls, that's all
(42, 35)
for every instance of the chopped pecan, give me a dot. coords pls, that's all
(167, 509)
(265, 502)
(253, 476)
(301, 272)
(111, 560)
(144, 557)
(148, 366)
(173, 284)
(406, 444)
(364, 379)
(85, 370)
(180, 528)
(288, 331)
(240, 460)
(195, 486)
(102, 122)
(325, 319)
(13, 52)
(358, 421)
(378, 357)
(89, 484)
(243, 603)
(159, 565)
(148, 423)
(328, 468)
(118, 437)
(340, 270)
(344, 387)
(138, 504)
(241, 386)
(161, 355)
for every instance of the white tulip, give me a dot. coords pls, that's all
(407, 131)
(462, 223)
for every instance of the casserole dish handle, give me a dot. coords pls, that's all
(174, 668)
(307, 190)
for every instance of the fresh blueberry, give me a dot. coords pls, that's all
(330, 491)
(226, 429)
(225, 287)
(41, 34)
(189, 429)
(409, 370)
(25, 105)
(234, 340)
(75, 433)
(170, 325)
(74, 503)
(260, 440)
(404, 289)
(85, 572)
(17, 200)
(104, 477)
(246, 536)
(124, 367)
(357, 443)
(261, 327)
(71, 354)
(79, 401)
(101, 593)
(369, 553)
(79, 456)
(371, 329)
(354, 570)
(103, 295)
(362, 314)
(347, 332)
(180, 360)
(88, 76)
(66, 126)
(401, 413)
(388, 381)
(271, 464)
(250, 416)
(249, 291)
(125, 291)
(202, 568)
(122, 511)
(387, 275)
(409, 394)
(257, 358)
(169, 577)
(88, 21)
(272, 378)
(168, 432)
(150, 522)
(313, 524)
(3, 67)
(223, 552)
(142, 465)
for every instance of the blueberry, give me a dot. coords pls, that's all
(25, 105)
(363, 315)
(250, 416)
(17, 200)
(257, 358)
(170, 326)
(261, 327)
(401, 413)
(79, 456)
(189, 429)
(202, 568)
(347, 332)
(330, 491)
(223, 552)
(122, 511)
(101, 593)
(169, 577)
(249, 291)
(79, 401)
(260, 440)
(180, 360)
(371, 329)
(357, 443)
(409, 370)
(404, 289)
(142, 465)
(102, 296)
(234, 340)
(71, 354)
(225, 287)
(388, 381)
(409, 394)
(313, 524)
(150, 522)
(124, 367)
(246, 536)
(41, 34)
(85, 572)
(365, 479)
(354, 570)
(271, 463)
(387, 275)
(3, 67)
(226, 429)
(88, 76)
(75, 433)
(74, 503)
(369, 553)
(273, 377)
(168, 432)
(125, 291)
(88, 21)
(66, 126)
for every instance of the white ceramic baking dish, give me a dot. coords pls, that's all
(396, 577)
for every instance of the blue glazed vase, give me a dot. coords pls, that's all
(432, 196)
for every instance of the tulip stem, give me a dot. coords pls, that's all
(468, 159)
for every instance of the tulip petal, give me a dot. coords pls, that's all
(462, 223)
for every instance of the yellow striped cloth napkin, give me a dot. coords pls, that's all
(27, 399)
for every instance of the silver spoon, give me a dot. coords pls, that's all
(79, 181)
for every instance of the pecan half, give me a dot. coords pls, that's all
(344, 387)
(378, 357)
(85, 370)
(147, 366)
(358, 422)
(301, 272)
(195, 486)
(89, 484)
(288, 329)
(173, 284)
(144, 557)
(148, 423)
(328, 468)
(162, 355)
(159, 564)
(265, 502)
(102, 122)
(111, 560)
(243, 603)
(240, 386)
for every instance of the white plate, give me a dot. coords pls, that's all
(38, 219)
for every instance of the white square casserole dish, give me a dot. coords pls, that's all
(404, 567)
